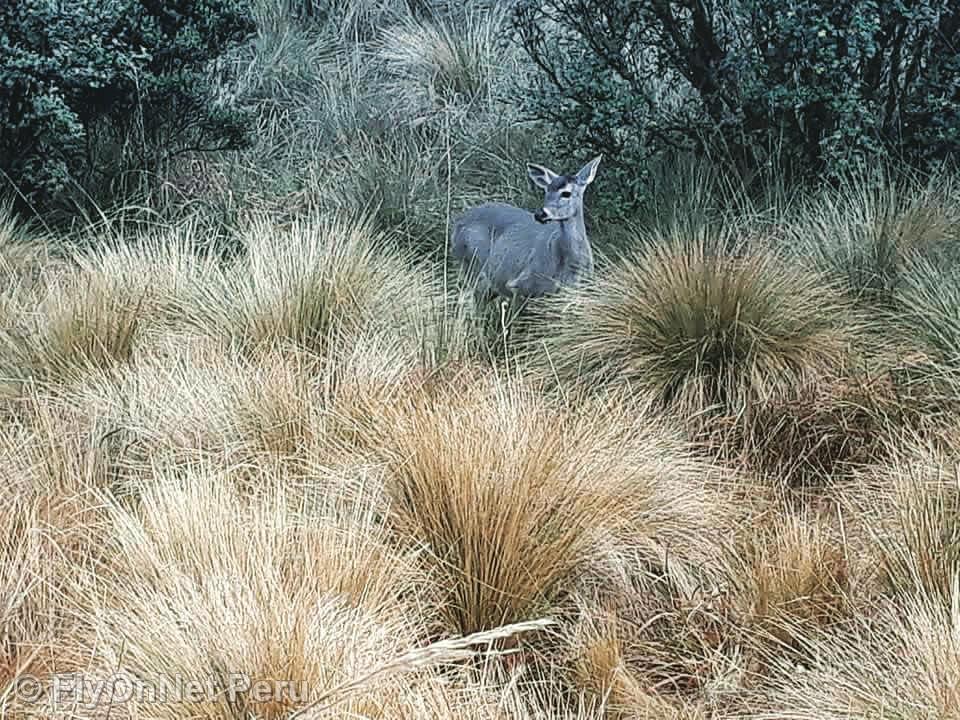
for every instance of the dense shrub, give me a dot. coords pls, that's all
(812, 84)
(94, 88)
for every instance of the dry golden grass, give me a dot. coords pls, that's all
(898, 663)
(515, 498)
(604, 666)
(758, 357)
(796, 576)
(301, 465)
(26, 257)
(319, 282)
(203, 584)
(648, 645)
(101, 306)
(80, 323)
(54, 528)
(279, 410)
(198, 584)
(719, 482)
(164, 269)
(906, 511)
(825, 430)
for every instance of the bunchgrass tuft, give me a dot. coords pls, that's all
(512, 496)
(434, 62)
(316, 283)
(93, 309)
(81, 322)
(824, 431)
(54, 529)
(907, 516)
(796, 578)
(701, 329)
(209, 587)
(27, 259)
(602, 670)
(863, 232)
(898, 662)
(928, 309)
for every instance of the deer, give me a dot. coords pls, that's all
(512, 252)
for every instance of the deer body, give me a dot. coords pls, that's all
(510, 251)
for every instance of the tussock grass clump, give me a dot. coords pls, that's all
(399, 181)
(433, 62)
(358, 23)
(53, 530)
(683, 195)
(278, 68)
(824, 431)
(513, 497)
(250, 430)
(26, 260)
(647, 647)
(43, 584)
(161, 269)
(95, 311)
(47, 449)
(659, 628)
(82, 322)
(899, 662)
(208, 587)
(924, 317)
(863, 232)
(316, 284)
(616, 666)
(701, 329)
(233, 411)
(324, 608)
(928, 309)
(795, 575)
(907, 515)
(687, 643)
(281, 410)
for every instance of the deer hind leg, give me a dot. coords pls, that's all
(518, 283)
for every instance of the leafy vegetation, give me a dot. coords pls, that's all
(95, 90)
(812, 87)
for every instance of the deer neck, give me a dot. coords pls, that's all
(573, 246)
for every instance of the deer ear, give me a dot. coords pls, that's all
(541, 176)
(588, 171)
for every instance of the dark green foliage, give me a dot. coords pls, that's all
(92, 89)
(813, 86)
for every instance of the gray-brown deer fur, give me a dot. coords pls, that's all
(514, 252)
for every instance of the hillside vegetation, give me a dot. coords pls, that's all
(256, 433)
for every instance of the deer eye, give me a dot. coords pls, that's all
(565, 194)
